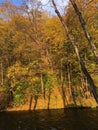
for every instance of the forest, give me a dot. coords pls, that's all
(48, 61)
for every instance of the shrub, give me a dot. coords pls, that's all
(19, 98)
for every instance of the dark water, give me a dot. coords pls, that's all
(68, 119)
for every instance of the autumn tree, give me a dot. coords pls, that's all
(84, 27)
(85, 71)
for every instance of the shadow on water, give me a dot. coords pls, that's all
(60, 119)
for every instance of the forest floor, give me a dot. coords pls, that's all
(90, 103)
(55, 101)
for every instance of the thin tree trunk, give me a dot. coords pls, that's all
(61, 73)
(70, 86)
(65, 102)
(42, 87)
(2, 74)
(69, 76)
(49, 97)
(86, 73)
(48, 57)
(84, 27)
(30, 103)
(36, 101)
(82, 85)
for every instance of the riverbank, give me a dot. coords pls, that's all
(55, 100)
(54, 104)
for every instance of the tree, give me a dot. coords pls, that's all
(85, 71)
(84, 27)
(8, 10)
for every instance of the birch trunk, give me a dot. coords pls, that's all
(84, 27)
(85, 71)
(42, 87)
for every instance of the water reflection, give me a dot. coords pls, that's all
(69, 119)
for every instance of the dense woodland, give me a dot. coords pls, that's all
(49, 58)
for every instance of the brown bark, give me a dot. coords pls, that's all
(84, 27)
(85, 71)
(1, 73)
(65, 102)
(70, 85)
(30, 103)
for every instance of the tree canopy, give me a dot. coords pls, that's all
(37, 57)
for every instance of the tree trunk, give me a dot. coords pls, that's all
(65, 102)
(61, 73)
(1, 73)
(30, 103)
(42, 87)
(70, 86)
(84, 27)
(86, 73)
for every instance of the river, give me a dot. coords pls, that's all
(60, 119)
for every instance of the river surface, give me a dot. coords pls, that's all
(68, 119)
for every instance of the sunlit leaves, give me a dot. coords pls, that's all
(54, 31)
(33, 44)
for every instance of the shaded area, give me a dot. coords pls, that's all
(4, 100)
(36, 99)
(63, 96)
(30, 104)
(68, 119)
(49, 96)
(35, 102)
